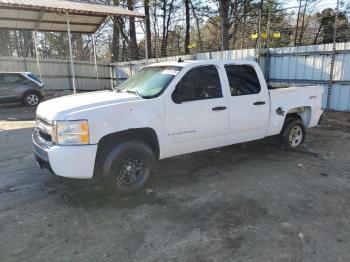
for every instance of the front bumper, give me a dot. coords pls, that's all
(65, 161)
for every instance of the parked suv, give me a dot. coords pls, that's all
(22, 87)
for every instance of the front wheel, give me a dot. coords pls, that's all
(293, 134)
(31, 99)
(126, 168)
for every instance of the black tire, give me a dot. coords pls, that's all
(127, 167)
(293, 134)
(31, 99)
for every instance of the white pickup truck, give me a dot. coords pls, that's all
(165, 110)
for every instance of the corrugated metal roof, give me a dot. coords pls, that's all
(49, 15)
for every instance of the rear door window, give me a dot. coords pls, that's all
(13, 78)
(242, 79)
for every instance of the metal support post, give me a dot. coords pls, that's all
(95, 54)
(331, 70)
(267, 57)
(71, 54)
(34, 34)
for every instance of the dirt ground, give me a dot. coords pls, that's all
(247, 202)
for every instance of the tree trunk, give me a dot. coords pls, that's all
(21, 43)
(134, 52)
(303, 23)
(115, 38)
(187, 29)
(235, 24)
(28, 44)
(115, 42)
(296, 29)
(148, 28)
(156, 31)
(166, 24)
(78, 41)
(244, 23)
(318, 33)
(164, 41)
(123, 50)
(225, 24)
(5, 44)
(197, 24)
(16, 38)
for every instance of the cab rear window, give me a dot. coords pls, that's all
(243, 80)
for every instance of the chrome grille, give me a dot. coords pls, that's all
(45, 130)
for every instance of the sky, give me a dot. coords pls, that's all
(320, 6)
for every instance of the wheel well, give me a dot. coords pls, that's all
(108, 142)
(302, 113)
(32, 91)
(292, 115)
(146, 135)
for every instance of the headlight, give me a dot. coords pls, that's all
(72, 132)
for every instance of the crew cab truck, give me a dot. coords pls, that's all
(165, 110)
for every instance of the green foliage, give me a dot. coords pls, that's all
(326, 20)
(57, 45)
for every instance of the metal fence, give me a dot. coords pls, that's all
(294, 65)
(56, 73)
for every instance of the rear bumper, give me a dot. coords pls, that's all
(65, 161)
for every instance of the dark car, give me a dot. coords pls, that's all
(22, 87)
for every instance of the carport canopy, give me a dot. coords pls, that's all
(50, 15)
(59, 16)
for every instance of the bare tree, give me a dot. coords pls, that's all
(115, 38)
(244, 22)
(225, 23)
(148, 27)
(297, 26)
(134, 52)
(167, 9)
(197, 25)
(5, 46)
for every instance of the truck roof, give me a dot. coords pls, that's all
(200, 62)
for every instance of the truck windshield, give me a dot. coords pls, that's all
(150, 82)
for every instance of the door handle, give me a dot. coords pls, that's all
(219, 108)
(257, 103)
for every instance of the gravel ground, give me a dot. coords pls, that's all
(247, 202)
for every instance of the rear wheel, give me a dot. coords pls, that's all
(31, 99)
(127, 167)
(293, 133)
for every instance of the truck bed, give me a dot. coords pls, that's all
(272, 86)
(306, 99)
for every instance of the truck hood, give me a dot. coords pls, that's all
(60, 108)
